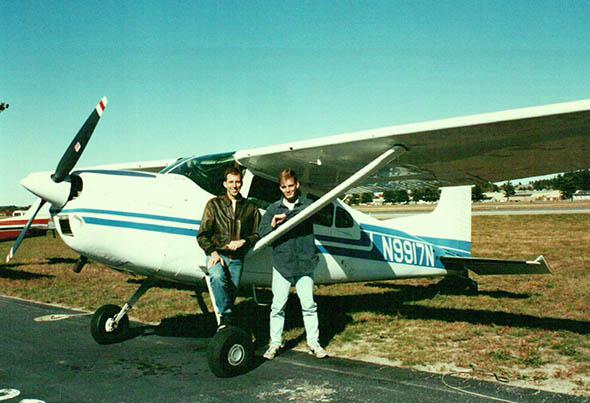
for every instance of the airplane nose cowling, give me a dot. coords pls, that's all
(43, 186)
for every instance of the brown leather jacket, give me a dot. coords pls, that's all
(220, 225)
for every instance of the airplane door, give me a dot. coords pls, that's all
(336, 232)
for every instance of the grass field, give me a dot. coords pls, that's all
(534, 330)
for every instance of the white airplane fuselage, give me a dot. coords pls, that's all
(146, 223)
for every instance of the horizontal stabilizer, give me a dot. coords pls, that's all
(486, 267)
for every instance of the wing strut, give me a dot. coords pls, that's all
(332, 195)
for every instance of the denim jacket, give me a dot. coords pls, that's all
(295, 253)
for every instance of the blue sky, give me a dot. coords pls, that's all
(185, 78)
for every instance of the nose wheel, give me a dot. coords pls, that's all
(104, 327)
(110, 323)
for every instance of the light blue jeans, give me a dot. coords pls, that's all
(280, 295)
(225, 282)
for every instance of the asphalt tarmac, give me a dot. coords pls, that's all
(58, 361)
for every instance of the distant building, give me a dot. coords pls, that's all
(522, 197)
(581, 195)
(548, 195)
(378, 198)
(525, 196)
(495, 196)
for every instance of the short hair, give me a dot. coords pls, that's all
(232, 171)
(287, 173)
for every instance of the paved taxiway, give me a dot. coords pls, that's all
(57, 361)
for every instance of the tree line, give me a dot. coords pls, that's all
(567, 183)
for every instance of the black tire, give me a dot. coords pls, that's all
(98, 325)
(230, 352)
(473, 288)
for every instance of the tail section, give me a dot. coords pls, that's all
(449, 223)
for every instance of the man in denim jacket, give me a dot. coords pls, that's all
(294, 258)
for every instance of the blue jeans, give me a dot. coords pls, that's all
(280, 295)
(224, 283)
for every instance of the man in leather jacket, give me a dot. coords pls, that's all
(229, 228)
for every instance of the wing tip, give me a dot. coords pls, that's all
(543, 262)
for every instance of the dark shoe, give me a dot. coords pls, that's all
(224, 321)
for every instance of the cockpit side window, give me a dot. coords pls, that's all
(206, 171)
(343, 218)
(325, 216)
(263, 192)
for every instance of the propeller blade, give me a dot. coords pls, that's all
(22, 234)
(78, 144)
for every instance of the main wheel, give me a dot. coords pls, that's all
(472, 288)
(102, 327)
(230, 352)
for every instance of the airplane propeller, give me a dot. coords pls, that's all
(22, 234)
(78, 144)
(58, 195)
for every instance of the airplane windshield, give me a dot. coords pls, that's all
(206, 171)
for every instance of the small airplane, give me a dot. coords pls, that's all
(146, 223)
(11, 227)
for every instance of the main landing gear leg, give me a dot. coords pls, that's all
(460, 283)
(230, 350)
(110, 323)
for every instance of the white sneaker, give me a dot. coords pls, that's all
(318, 351)
(271, 352)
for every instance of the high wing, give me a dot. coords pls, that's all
(144, 166)
(492, 147)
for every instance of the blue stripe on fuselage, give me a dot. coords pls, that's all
(463, 246)
(137, 215)
(141, 226)
(372, 254)
(364, 240)
(115, 172)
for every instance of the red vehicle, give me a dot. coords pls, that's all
(11, 227)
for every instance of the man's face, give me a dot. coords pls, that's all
(289, 188)
(233, 184)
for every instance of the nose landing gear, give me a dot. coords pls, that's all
(103, 327)
(110, 323)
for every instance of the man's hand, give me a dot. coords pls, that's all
(278, 219)
(235, 245)
(215, 258)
